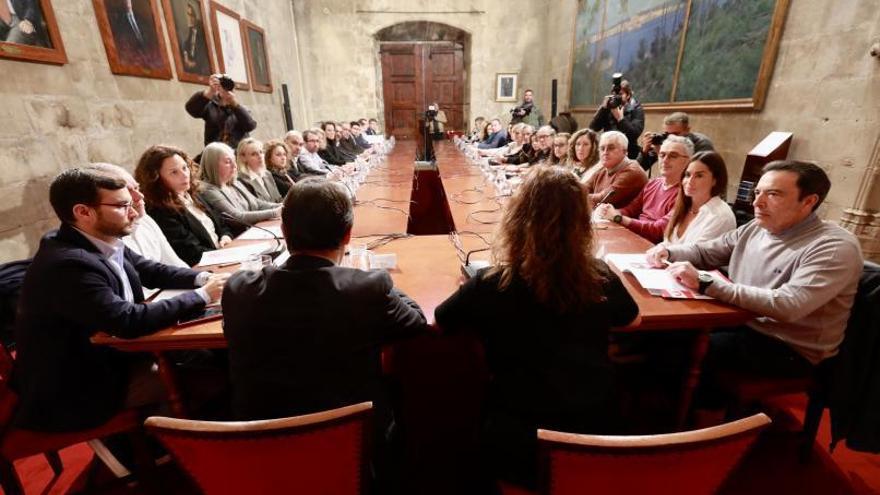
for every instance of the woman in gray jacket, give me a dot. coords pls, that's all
(221, 192)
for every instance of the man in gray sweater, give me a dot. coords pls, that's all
(797, 273)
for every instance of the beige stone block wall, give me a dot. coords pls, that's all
(56, 117)
(825, 89)
(340, 54)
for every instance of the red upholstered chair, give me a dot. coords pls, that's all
(17, 443)
(321, 453)
(690, 462)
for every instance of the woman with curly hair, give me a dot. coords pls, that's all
(543, 312)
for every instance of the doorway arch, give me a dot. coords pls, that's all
(422, 62)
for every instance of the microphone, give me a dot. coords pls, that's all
(273, 252)
(610, 194)
(468, 269)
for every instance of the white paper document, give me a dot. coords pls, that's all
(255, 234)
(657, 281)
(234, 255)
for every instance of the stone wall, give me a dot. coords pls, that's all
(57, 117)
(340, 55)
(825, 89)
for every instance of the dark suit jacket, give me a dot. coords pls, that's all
(332, 154)
(71, 292)
(350, 148)
(307, 336)
(185, 233)
(236, 121)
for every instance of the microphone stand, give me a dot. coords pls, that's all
(273, 252)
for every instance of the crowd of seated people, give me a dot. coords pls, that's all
(543, 311)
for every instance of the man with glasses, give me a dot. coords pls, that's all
(543, 145)
(619, 179)
(310, 163)
(84, 280)
(648, 214)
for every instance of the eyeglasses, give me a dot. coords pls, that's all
(671, 156)
(119, 206)
(560, 145)
(609, 147)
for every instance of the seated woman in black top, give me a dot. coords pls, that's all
(543, 312)
(166, 183)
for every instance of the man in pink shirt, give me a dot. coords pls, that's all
(648, 214)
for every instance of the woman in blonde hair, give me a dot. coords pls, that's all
(543, 312)
(252, 171)
(224, 194)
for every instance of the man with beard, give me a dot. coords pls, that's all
(527, 112)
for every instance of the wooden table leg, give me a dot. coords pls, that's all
(166, 372)
(692, 377)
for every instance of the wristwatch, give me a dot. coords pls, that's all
(617, 218)
(705, 281)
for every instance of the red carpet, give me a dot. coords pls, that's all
(771, 467)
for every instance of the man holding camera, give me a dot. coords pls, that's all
(527, 112)
(225, 119)
(674, 124)
(620, 111)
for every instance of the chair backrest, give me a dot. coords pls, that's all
(690, 462)
(324, 452)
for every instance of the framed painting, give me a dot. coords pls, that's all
(505, 86)
(133, 38)
(190, 45)
(31, 35)
(678, 54)
(257, 60)
(229, 44)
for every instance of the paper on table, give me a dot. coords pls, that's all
(169, 293)
(255, 234)
(233, 255)
(657, 281)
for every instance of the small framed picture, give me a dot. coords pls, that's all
(30, 33)
(505, 87)
(258, 61)
(190, 45)
(133, 37)
(229, 44)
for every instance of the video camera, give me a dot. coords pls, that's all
(658, 138)
(614, 99)
(431, 112)
(520, 112)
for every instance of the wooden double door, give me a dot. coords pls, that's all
(416, 74)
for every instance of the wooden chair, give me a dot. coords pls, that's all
(324, 452)
(16, 443)
(690, 462)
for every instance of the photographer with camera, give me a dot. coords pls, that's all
(674, 124)
(620, 111)
(435, 120)
(226, 120)
(527, 112)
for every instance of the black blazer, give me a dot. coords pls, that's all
(71, 292)
(307, 336)
(549, 370)
(185, 233)
(332, 154)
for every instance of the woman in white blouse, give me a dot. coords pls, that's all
(224, 194)
(700, 213)
(164, 174)
(252, 171)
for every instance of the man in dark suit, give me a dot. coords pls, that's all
(193, 46)
(307, 336)
(83, 280)
(134, 33)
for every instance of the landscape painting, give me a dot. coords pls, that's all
(720, 51)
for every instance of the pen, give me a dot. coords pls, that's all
(607, 196)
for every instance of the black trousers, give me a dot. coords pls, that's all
(743, 350)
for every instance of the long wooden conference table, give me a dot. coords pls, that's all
(429, 266)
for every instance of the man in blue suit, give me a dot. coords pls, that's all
(497, 139)
(83, 280)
